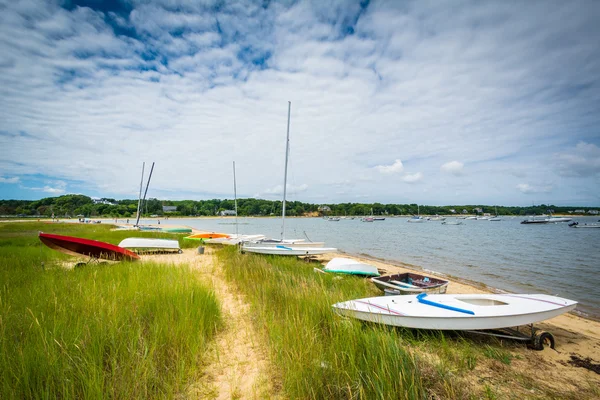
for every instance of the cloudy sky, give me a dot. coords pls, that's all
(431, 102)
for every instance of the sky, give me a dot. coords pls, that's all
(429, 102)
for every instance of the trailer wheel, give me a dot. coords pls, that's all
(180, 251)
(541, 339)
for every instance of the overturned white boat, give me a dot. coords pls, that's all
(349, 266)
(150, 245)
(456, 311)
(284, 250)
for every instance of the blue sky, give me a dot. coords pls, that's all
(431, 102)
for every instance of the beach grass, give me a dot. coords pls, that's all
(118, 330)
(318, 355)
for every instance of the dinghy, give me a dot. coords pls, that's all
(86, 247)
(349, 266)
(234, 239)
(410, 283)
(150, 245)
(207, 235)
(456, 311)
(298, 243)
(288, 250)
(576, 225)
(177, 230)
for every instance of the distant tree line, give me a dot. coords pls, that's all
(73, 205)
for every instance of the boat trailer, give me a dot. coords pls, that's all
(536, 340)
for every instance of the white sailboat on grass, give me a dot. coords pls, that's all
(289, 247)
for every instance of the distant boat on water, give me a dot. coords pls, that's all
(417, 218)
(576, 225)
(542, 219)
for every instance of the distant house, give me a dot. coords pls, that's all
(453, 211)
(593, 212)
(478, 209)
(324, 209)
(464, 211)
(102, 201)
(579, 211)
(169, 208)
(227, 213)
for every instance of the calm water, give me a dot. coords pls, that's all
(547, 258)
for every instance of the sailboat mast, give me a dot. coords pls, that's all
(140, 195)
(235, 200)
(287, 151)
(145, 193)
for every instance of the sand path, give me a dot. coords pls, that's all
(238, 361)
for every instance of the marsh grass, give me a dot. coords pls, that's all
(122, 330)
(319, 355)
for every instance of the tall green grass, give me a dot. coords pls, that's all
(125, 330)
(319, 355)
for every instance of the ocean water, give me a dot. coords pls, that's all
(546, 258)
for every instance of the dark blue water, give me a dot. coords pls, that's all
(544, 258)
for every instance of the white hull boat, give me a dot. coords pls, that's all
(144, 244)
(560, 219)
(456, 311)
(349, 266)
(299, 243)
(282, 250)
(296, 247)
(576, 225)
(416, 219)
(233, 240)
(452, 223)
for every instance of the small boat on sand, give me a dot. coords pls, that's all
(145, 245)
(349, 266)
(86, 247)
(177, 230)
(207, 235)
(234, 239)
(410, 283)
(284, 250)
(456, 311)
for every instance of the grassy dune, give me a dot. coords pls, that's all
(122, 330)
(318, 355)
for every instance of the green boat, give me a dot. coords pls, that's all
(177, 230)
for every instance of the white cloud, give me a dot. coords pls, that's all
(453, 167)
(413, 178)
(53, 190)
(278, 190)
(14, 179)
(396, 167)
(581, 161)
(87, 96)
(532, 189)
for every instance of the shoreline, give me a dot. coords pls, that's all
(398, 264)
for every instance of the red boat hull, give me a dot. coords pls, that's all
(86, 247)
